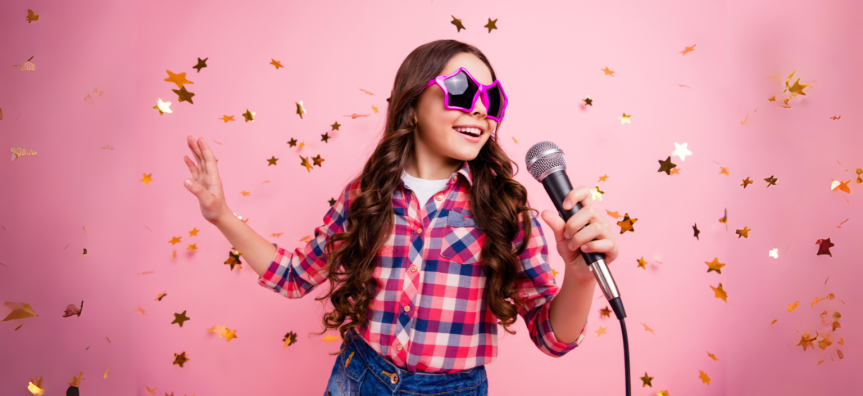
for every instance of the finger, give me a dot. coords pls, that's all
(192, 168)
(204, 196)
(555, 222)
(194, 147)
(577, 195)
(579, 220)
(586, 234)
(209, 158)
(598, 246)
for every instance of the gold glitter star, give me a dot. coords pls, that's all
(797, 88)
(457, 22)
(665, 166)
(714, 265)
(646, 379)
(641, 262)
(746, 182)
(491, 25)
(245, 193)
(192, 247)
(185, 96)
(201, 64)
(601, 331)
(624, 119)
(608, 71)
(227, 118)
(163, 107)
(272, 161)
(249, 115)
(306, 164)
(180, 359)
(300, 109)
(743, 233)
(719, 292)
(194, 232)
(146, 179)
(605, 312)
(375, 109)
(335, 126)
(626, 224)
(276, 63)
(179, 318)
(174, 240)
(771, 181)
(178, 79)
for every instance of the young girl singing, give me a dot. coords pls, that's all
(434, 244)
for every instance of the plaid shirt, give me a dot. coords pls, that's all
(430, 312)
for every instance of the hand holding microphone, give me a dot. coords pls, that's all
(585, 230)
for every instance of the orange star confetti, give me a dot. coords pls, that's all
(601, 331)
(688, 49)
(290, 339)
(178, 79)
(180, 359)
(608, 71)
(300, 109)
(712, 356)
(646, 328)
(457, 22)
(720, 293)
(806, 341)
(276, 63)
(746, 182)
(329, 338)
(743, 232)
(824, 247)
(714, 265)
(841, 186)
(626, 224)
(704, 378)
(641, 262)
(646, 380)
(227, 118)
(147, 179)
(624, 119)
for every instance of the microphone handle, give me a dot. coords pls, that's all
(557, 186)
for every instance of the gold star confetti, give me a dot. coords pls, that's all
(605, 312)
(306, 164)
(234, 258)
(688, 49)
(457, 22)
(325, 137)
(335, 126)
(647, 328)
(174, 240)
(662, 393)
(665, 166)
(806, 341)
(245, 193)
(178, 79)
(588, 101)
(724, 218)
(608, 72)
(841, 186)
(626, 224)
(513, 140)
(249, 115)
(681, 150)
(183, 95)
(743, 233)
(192, 247)
(714, 265)
(179, 318)
(35, 386)
(641, 262)
(746, 182)
(146, 179)
(675, 171)
(720, 293)
(490, 25)
(712, 356)
(163, 107)
(797, 88)
(227, 118)
(704, 378)
(290, 339)
(317, 161)
(824, 247)
(696, 231)
(375, 109)
(596, 194)
(194, 232)
(624, 119)
(32, 16)
(300, 109)
(276, 63)
(180, 359)
(292, 142)
(202, 63)
(770, 180)
(272, 161)
(602, 178)
(329, 338)
(601, 331)
(554, 272)
(160, 296)
(614, 214)
(646, 379)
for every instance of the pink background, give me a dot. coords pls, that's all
(548, 57)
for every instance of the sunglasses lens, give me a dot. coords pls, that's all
(495, 101)
(461, 90)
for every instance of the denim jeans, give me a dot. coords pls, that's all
(360, 371)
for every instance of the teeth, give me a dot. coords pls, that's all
(472, 131)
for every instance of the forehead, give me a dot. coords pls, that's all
(474, 66)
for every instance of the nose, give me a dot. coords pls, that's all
(479, 108)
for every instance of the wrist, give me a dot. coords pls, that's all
(224, 217)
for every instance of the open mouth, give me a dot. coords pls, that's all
(472, 132)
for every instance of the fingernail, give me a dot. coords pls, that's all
(584, 248)
(188, 183)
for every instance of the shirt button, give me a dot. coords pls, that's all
(407, 308)
(414, 268)
(399, 346)
(419, 231)
(439, 197)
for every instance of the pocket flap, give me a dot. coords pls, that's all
(456, 219)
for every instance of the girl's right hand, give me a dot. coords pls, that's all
(205, 182)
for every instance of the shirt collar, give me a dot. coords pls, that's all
(465, 174)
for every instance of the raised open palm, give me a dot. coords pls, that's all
(205, 182)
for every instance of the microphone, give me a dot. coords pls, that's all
(547, 164)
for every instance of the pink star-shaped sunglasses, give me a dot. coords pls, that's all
(461, 91)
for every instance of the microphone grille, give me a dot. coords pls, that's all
(543, 157)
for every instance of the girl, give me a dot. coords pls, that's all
(433, 245)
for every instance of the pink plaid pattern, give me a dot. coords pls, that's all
(429, 311)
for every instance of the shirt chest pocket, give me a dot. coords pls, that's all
(462, 239)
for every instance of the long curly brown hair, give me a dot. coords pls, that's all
(497, 202)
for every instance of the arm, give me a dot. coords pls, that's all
(294, 274)
(538, 289)
(255, 249)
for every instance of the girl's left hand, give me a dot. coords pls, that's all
(572, 239)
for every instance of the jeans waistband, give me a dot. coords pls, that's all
(411, 381)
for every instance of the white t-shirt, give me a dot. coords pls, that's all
(424, 189)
